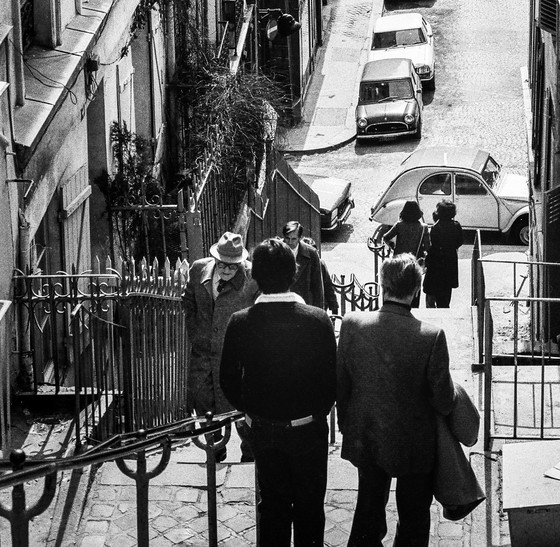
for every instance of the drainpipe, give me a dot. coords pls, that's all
(26, 377)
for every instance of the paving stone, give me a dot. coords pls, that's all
(234, 542)
(336, 537)
(226, 512)
(93, 541)
(179, 534)
(240, 523)
(341, 497)
(251, 536)
(238, 495)
(338, 515)
(160, 493)
(185, 513)
(102, 510)
(107, 494)
(97, 527)
(124, 541)
(189, 495)
(161, 541)
(126, 522)
(199, 524)
(163, 523)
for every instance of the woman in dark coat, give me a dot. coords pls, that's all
(411, 235)
(442, 264)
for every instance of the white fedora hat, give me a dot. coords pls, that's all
(229, 249)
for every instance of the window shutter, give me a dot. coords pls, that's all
(547, 15)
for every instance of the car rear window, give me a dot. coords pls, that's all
(394, 38)
(438, 184)
(377, 92)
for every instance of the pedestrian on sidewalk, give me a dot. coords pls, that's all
(331, 302)
(392, 380)
(217, 287)
(308, 281)
(442, 262)
(411, 235)
(279, 367)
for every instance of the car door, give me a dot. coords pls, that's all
(432, 190)
(477, 207)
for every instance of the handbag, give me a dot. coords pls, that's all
(456, 487)
(421, 259)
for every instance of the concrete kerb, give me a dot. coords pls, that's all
(349, 135)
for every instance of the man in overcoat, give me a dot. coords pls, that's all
(308, 281)
(392, 380)
(279, 367)
(217, 287)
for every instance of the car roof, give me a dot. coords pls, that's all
(398, 22)
(442, 156)
(387, 69)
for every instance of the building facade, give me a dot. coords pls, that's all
(544, 158)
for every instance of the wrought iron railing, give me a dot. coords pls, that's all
(132, 445)
(517, 348)
(104, 337)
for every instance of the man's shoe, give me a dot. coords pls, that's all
(247, 458)
(221, 454)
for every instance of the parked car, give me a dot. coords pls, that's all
(406, 35)
(486, 197)
(390, 101)
(335, 199)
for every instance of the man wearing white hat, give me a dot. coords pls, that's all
(218, 286)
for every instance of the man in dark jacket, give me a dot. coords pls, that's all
(392, 380)
(308, 281)
(279, 367)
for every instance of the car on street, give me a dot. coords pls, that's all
(486, 197)
(406, 35)
(335, 199)
(390, 100)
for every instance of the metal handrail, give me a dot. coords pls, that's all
(116, 449)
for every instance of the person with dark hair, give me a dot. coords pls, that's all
(412, 235)
(331, 302)
(279, 367)
(218, 286)
(392, 380)
(308, 282)
(442, 263)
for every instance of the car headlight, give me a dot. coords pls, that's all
(408, 118)
(362, 122)
(423, 69)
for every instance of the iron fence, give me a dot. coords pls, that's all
(104, 337)
(517, 348)
(123, 449)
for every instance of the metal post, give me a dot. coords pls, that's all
(210, 446)
(142, 478)
(20, 515)
(488, 328)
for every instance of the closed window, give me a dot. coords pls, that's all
(437, 185)
(466, 185)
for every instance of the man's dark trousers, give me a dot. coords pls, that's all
(292, 472)
(414, 498)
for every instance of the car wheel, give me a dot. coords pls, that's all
(431, 85)
(520, 231)
(418, 135)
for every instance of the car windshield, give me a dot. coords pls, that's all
(396, 38)
(491, 171)
(377, 92)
